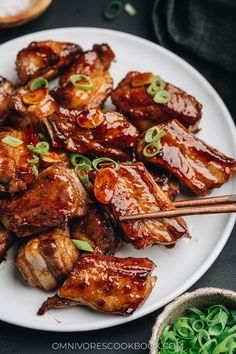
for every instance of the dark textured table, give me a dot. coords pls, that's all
(133, 335)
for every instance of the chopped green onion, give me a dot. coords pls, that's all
(75, 79)
(12, 141)
(162, 96)
(151, 149)
(201, 332)
(96, 162)
(130, 9)
(37, 83)
(34, 160)
(79, 160)
(157, 84)
(41, 148)
(154, 134)
(82, 245)
(113, 9)
(82, 171)
(35, 170)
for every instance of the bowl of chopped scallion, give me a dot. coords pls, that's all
(199, 322)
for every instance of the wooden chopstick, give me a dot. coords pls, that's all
(214, 205)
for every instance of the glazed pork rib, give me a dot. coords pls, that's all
(143, 112)
(6, 239)
(6, 90)
(16, 172)
(90, 131)
(95, 64)
(46, 260)
(55, 197)
(96, 229)
(195, 163)
(132, 190)
(45, 58)
(106, 284)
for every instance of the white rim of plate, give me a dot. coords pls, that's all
(228, 228)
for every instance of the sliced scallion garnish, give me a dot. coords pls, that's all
(154, 134)
(96, 162)
(82, 82)
(82, 245)
(34, 160)
(193, 333)
(37, 83)
(79, 160)
(35, 170)
(130, 9)
(12, 141)
(41, 148)
(82, 171)
(113, 9)
(151, 149)
(162, 96)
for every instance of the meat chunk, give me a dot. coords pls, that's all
(109, 284)
(190, 159)
(168, 183)
(143, 112)
(46, 260)
(16, 172)
(45, 58)
(55, 197)
(92, 132)
(95, 64)
(132, 190)
(6, 239)
(6, 90)
(55, 302)
(96, 229)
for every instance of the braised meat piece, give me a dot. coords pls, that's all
(92, 132)
(6, 239)
(45, 58)
(96, 229)
(190, 159)
(55, 302)
(168, 183)
(55, 197)
(107, 284)
(16, 172)
(132, 190)
(133, 100)
(94, 64)
(46, 260)
(6, 90)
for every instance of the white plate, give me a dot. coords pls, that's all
(178, 268)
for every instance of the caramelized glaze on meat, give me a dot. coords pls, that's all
(15, 171)
(168, 183)
(45, 58)
(55, 302)
(56, 196)
(143, 112)
(46, 260)
(94, 63)
(96, 229)
(109, 284)
(135, 192)
(111, 135)
(6, 239)
(194, 162)
(6, 90)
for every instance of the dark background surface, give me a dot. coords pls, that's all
(16, 340)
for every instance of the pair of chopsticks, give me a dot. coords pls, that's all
(213, 205)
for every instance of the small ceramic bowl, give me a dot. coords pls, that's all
(201, 298)
(35, 10)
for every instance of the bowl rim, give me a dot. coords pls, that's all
(34, 10)
(180, 300)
